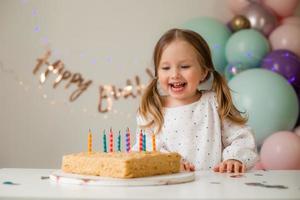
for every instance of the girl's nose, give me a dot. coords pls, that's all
(175, 73)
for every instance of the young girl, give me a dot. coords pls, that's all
(199, 122)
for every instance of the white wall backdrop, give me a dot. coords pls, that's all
(106, 41)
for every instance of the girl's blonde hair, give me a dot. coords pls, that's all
(151, 103)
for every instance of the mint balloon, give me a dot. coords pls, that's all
(247, 47)
(216, 35)
(268, 99)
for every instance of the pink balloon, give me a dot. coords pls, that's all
(259, 166)
(261, 18)
(297, 130)
(281, 151)
(283, 8)
(236, 6)
(286, 36)
(291, 20)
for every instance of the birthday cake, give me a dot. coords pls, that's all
(122, 164)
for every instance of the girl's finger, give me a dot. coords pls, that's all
(236, 167)
(192, 168)
(229, 167)
(222, 167)
(187, 165)
(216, 168)
(181, 167)
(184, 166)
(243, 168)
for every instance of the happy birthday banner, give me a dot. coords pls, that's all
(107, 93)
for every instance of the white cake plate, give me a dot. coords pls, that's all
(66, 178)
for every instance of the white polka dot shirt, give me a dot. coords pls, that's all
(195, 132)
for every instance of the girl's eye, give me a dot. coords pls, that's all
(165, 68)
(185, 66)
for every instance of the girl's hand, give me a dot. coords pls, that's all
(186, 166)
(230, 166)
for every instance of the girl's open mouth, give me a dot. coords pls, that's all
(178, 86)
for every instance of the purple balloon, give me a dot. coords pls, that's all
(284, 62)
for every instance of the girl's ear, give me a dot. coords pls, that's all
(204, 75)
(206, 82)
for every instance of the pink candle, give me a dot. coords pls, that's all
(141, 141)
(111, 141)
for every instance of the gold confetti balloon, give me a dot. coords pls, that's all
(239, 22)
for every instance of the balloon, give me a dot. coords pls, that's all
(297, 130)
(267, 98)
(216, 34)
(285, 63)
(281, 151)
(239, 22)
(294, 20)
(236, 6)
(259, 166)
(233, 69)
(298, 95)
(261, 18)
(286, 36)
(282, 8)
(247, 47)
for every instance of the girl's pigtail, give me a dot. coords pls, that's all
(151, 107)
(226, 108)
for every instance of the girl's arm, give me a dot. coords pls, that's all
(239, 153)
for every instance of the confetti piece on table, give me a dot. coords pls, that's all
(258, 175)
(10, 183)
(267, 186)
(215, 183)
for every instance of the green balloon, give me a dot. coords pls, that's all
(247, 47)
(268, 99)
(216, 35)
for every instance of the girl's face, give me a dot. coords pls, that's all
(179, 72)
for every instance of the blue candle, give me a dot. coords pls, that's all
(104, 142)
(144, 142)
(119, 141)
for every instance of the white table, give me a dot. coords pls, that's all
(208, 185)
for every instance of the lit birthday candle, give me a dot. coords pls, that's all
(144, 142)
(104, 142)
(127, 140)
(153, 142)
(90, 142)
(119, 141)
(111, 141)
(141, 141)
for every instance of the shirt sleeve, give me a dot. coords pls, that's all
(239, 143)
(148, 132)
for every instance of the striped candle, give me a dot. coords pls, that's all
(90, 140)
(153, 142)
(127, 140)
(144, 142)
(111, 141)
(141, 141)
(119, 141)
(104, 142)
